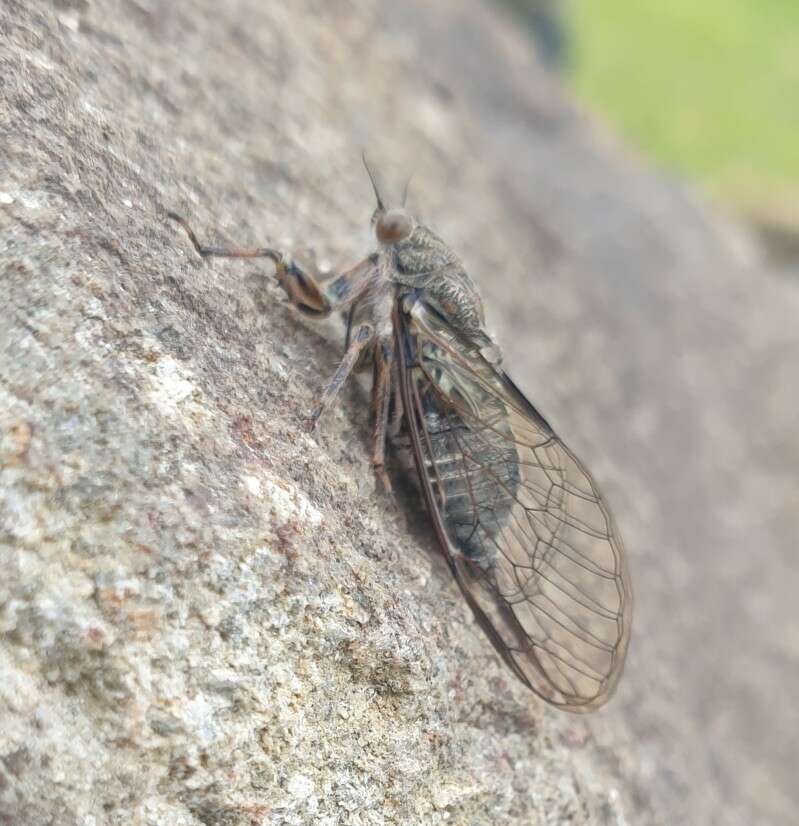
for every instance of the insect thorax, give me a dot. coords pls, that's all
(423, 262)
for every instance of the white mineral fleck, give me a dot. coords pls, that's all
(288, 502)
(170, 385)
(300, 787)
(252, 484)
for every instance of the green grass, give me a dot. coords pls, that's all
(707, 87)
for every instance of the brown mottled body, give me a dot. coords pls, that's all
(521, 523)
(411, 260)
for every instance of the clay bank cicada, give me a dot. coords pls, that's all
(526, 534)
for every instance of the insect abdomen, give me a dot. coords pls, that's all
(476, 473)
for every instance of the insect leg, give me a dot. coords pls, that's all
(362, 338)
(302, 288)
(381, 396)
(224, 252)
(395, 422)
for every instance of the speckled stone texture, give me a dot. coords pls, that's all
(210, 617)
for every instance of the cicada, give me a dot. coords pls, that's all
(521, 523)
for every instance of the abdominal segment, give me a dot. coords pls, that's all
(472, 463)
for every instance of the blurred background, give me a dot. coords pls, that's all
(709, 90)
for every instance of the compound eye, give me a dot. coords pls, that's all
(393, 226)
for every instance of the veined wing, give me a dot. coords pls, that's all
(526, 533)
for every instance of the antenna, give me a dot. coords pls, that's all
(380, 204)
(405, 189)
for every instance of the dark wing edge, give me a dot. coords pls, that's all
(557, 602)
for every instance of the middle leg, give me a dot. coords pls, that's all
(381, 398)
(361, 339)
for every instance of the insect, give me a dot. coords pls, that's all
(523, 528)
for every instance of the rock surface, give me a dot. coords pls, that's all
(209, 617)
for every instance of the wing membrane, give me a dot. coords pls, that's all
(526, 533)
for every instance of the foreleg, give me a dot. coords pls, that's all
(303, 289)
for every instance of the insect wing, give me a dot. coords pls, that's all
(526, 533)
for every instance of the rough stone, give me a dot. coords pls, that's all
(209, 617)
